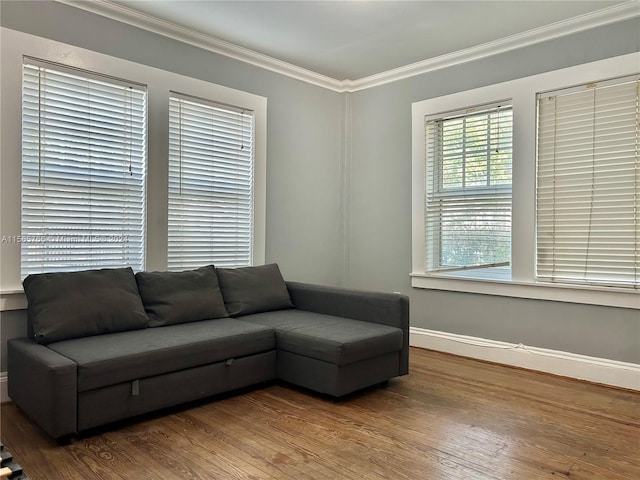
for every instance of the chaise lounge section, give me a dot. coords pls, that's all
(105, 345)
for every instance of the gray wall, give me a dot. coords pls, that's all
(379, 198)
(339, 207)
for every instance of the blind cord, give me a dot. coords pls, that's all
(514, 346)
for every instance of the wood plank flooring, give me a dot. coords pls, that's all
(451, 418)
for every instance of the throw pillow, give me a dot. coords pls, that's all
(180, 297)
(69, 305)
(253, 289)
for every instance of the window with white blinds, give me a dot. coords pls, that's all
(211, 197)
(588, 190)
(83, 170)
(468, 191)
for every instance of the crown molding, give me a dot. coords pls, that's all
(605, 16)
(182, 34)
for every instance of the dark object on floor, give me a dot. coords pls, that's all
(9, 470)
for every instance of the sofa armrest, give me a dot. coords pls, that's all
(43, 384)
(384, 308)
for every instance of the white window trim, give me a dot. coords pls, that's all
(522, 93)
(159, 82)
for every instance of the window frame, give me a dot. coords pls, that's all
(523, 93)
(103, 236)
(212, 164)
(437, 191)
(562, 162)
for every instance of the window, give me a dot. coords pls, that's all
(211, 195)
(83, 170)
(468, 191)
(132, 207)
(588, 191)
(573, 212)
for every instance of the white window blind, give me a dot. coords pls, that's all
(468, 190)
(588, 197)
(211, 163)
(83, 170)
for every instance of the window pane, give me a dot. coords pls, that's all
(468, 201)
(475, 231)
(83, 172)
(588, 185)
(210, 185)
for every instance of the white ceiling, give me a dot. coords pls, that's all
(353, 39)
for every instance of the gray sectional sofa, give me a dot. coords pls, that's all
(105, 345)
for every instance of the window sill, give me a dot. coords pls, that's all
(12, 299)
(499, 274)
(611, 297)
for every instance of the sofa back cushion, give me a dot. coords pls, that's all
(180, 297)
(69, 305)
(253, 289)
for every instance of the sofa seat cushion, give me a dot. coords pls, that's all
(336, 340)
(120, 357)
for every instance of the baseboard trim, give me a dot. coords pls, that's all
(582, 367)
(4, 391)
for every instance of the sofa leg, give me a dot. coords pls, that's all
(64, 440)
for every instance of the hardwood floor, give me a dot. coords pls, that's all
(450, 418)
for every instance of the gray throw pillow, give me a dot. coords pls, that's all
(69, 305)
(253, 289)
(180, 297)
